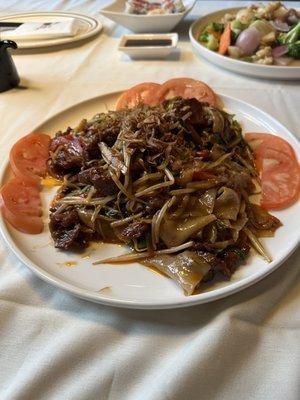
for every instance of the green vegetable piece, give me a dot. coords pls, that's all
(290, 37)
(281, 38)
(294, 50)
(140, 244)
(214, 27)
(234, 35)
(213, 43)
(218, 27)
(110, 213)
(237, 24)
(241, 254)
(203, 37)
(207, 31)
(247, 59)
(262, 26)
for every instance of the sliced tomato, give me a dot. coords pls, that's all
(260, 141)
(280, 178)
(143, 93)
(21, 205)
(28, 156)
(187, 88)
(31, 225)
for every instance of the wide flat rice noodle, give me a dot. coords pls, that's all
(186, 268)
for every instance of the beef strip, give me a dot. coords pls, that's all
(66, 230)
(135, 230)
(155, 202)
(90, 143)
(65, 219)
(67, 239)
(67, 154)
(231, 259)
(100, 179)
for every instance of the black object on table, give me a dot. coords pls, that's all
(10, 24)
(9, 77)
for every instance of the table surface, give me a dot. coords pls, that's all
(54, 346)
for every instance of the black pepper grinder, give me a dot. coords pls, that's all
(9, 77)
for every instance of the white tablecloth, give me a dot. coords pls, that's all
(56, 347)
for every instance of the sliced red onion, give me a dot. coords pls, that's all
(279, 51)
(292, 19)
(248, 40)
(280, 26)
(282, 61)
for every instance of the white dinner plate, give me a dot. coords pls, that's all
(133, 285)
(291, 71)
(88, 27)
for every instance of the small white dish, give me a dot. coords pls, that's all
(145, 23)
(245, 68)
(148, 45)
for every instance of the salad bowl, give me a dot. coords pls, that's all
(250, 69)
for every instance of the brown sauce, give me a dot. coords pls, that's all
(147, 42)
(105, 290)
(70, 263)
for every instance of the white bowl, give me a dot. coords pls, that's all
(144, 23)
(149, 51)
(242, 67)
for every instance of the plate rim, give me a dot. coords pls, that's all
(188, 301)
(206, 53)
(95, 25)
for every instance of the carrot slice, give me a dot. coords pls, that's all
(225, 40)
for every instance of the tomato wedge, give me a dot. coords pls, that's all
(280, 170)
(143, 93)
(187, 88)
(260, 141)
(21, 205)
(29, 155)
(280, 180)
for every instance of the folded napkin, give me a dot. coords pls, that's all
(42, 30)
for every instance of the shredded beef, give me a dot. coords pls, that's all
(65, 219)
(155, 203)
(68, 152)
(66, 230)
(135, 230)
(66, 239)
(100, 179)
